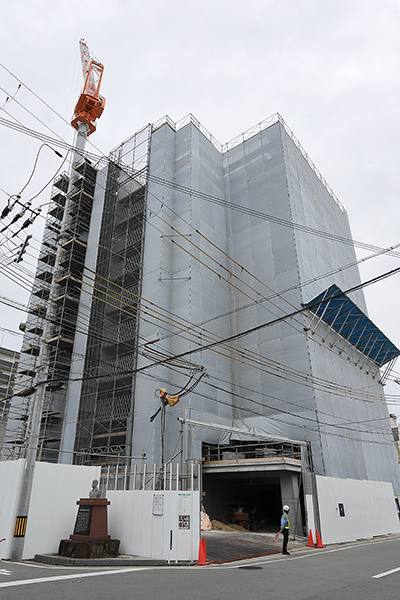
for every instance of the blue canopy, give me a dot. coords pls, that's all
(336, 309)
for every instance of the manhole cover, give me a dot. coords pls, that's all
(253, 568)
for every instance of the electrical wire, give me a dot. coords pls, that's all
(43, 102)
(147, 313)
(189, 190)
(211, 198)
(330, 415)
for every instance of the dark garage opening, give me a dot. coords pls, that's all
(256, 494)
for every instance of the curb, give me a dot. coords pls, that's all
(123, 561)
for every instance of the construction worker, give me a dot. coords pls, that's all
(284, 530)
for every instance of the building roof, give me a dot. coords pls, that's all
(336, 309)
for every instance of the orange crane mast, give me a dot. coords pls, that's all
(90, 105)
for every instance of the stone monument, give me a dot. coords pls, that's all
(90, 538)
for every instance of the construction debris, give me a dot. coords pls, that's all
(218, 526)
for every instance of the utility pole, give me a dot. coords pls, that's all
(23, 502)
(88, 109)
(17, 544)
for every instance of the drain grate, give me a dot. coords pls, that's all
(252, 567)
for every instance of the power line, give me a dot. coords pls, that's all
(188, 191)
(291, 224)
(21, 83)
(208, 197)
(253, 365)
(330, 391)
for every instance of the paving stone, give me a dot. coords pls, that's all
(225, 546)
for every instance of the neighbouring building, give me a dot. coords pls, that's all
(395, 431)
(226, 275)
(8, 369)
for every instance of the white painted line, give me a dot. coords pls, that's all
(5, 572)
(74, 576)
(385, 573)
(59, 567)
(304, 554)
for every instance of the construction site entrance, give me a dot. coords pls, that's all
(240, 486)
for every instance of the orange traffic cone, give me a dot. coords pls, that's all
(202, 553)
(310, 540)
(319, 541)
(205, 550)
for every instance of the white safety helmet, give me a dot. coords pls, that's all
(286, 508)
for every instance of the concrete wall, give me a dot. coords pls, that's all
(55, 490)
(369, 509)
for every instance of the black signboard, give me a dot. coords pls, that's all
(341, 509)
(82, 523)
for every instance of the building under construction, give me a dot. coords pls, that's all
(202, 302)
(8, 369)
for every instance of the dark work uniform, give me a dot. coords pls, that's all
(285, 526)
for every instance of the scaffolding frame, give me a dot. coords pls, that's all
(105, 418)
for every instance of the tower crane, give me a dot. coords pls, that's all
(90, 105)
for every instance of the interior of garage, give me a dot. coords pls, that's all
(255, 494)
(247, 483)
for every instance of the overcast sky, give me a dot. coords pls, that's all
(329, 67)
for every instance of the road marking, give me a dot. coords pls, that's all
(5, 572)
(386, 573)
(304, 554)
(59, 567)
(74, 576)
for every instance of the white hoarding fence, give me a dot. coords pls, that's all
(351, 509)
(155, 512)
(52, 510)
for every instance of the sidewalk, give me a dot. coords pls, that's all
(221, 547)
(226, 546)
(119, 561)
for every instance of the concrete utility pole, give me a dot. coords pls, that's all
(89, 107)
(23, 502)
(17, 544)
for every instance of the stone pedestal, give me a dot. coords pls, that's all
(90, 538)
(91, 520)
(82, 549)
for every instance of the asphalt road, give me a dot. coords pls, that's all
(366, 570)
